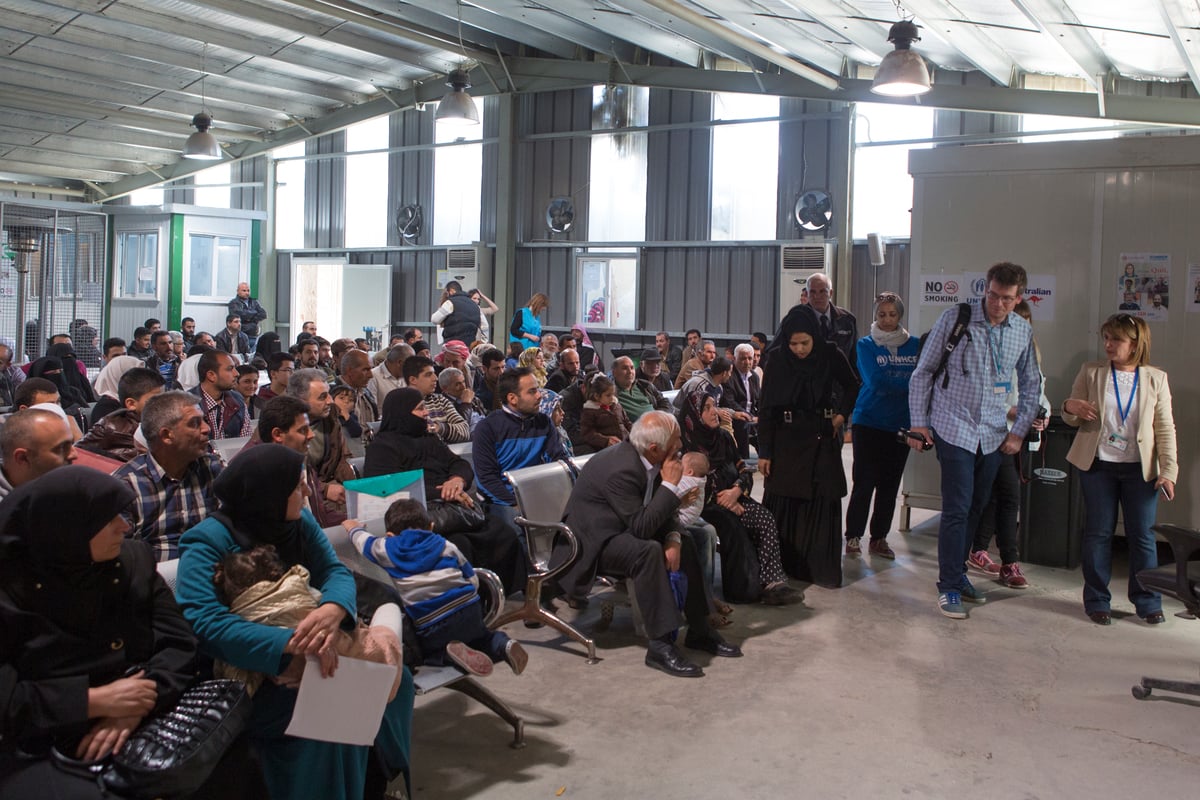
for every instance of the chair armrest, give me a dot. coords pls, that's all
(491, 594)
(559, 530)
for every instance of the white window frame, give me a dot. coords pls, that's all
(118, 273)
(583, 306)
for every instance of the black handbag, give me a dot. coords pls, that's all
(447, 518)
(172, 754)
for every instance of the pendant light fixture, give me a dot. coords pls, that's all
(902, 73)
(456, 106)
(202, 145)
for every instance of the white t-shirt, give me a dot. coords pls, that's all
(1111, 422)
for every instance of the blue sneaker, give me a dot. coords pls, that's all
(970, 593)
(950, 604)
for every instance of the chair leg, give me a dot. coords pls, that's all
(531, 610)
(476, 691)
(1142, 690)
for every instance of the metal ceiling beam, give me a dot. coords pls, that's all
(1062, 30)
(570, 17)
(841, 19)
(535, 75)
(441, 16)
(89, 146)
(58, 171)
(783, 38)
(965, 37)
(1189, 51)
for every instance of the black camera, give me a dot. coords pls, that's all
(904, 434)
(1034, 437)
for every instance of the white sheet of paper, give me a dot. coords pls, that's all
(368, 506)
(346, 708)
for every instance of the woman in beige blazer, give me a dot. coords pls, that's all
(1125, 451)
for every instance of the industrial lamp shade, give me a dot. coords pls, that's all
(202, 145)
(902, 72)
(457, 107)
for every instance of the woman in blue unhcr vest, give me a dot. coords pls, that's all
(886, 360)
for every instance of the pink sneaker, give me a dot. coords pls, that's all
(469, 660)
(980, 561)
(1010, 576)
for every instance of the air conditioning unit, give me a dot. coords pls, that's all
(797, 263)
(470, 266)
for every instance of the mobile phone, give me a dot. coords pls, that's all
(1163, 491)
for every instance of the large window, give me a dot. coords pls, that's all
(367, 184)
(137, 264)
(883, 189)
(745, 167)
(212, 186)
(1032, 123)
(289, 197)
(607, 290)
(457, 182)
(214, 266)
(617, 191)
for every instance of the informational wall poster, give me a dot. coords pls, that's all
(970, 287)
(1144, 285)
(1193, 288)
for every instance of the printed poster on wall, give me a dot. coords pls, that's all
(946, 290)
(1192, 289)
(1143, 285)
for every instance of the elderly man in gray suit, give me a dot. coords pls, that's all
(623, 509)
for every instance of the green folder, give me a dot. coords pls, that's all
(369, 498)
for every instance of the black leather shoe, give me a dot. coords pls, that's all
(712, 643)
(664, 657)
(782, 595)
(1100, 617)
(1155, 618)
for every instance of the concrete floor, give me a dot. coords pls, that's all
(863, 691)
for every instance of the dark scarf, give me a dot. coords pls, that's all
(254, 491)
(46, 527)
(71, 374)
(717, 445)
(789, 381)
(267, 344)
(397, 413)
(51, 369)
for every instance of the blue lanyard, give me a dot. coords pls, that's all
(1124, 412)
(994, 349)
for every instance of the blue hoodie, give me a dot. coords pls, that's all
(883, 399)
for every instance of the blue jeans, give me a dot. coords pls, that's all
(1104, 486)
(966, 486)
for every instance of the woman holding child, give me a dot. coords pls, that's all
(262, 495)
(738, 518)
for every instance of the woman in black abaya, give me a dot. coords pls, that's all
(808, 393)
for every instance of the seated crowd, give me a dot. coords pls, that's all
(668, 483)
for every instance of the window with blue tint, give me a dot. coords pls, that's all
(745, 167)
(215, 266)
(137, 264)
(883, 189)
(367, 183)
(457, 183)
(617, 187)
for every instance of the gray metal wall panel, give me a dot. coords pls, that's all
(248, 197)
(491, 156)
(325, 193)
(410, 174)
(868, 281)
(552, 168)
(679, 174)
(180, 191)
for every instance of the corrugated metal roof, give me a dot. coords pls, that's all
(98, 90)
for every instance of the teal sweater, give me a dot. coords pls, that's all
(225, 635)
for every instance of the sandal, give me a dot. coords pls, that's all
(719, 621)
(722, 608)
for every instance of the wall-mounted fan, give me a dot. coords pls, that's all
(408, 223)
(814, 210)
(560, 214)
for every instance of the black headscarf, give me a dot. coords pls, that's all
(790, 381)
(397, 413)
(51, 368)
(254, 491)
(717, 445)
(71, 374)
(267, 344)
(46, 527)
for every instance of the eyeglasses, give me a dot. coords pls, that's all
(886, 297)
(1000, 298)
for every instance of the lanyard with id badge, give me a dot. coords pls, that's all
(998, 386)
(1117, 439)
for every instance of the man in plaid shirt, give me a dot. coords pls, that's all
(173, 481)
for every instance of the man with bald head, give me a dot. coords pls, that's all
(635, 395)
(837, 324)
(357, 374)
(249, 311)
(624, 510)
(33, 442)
